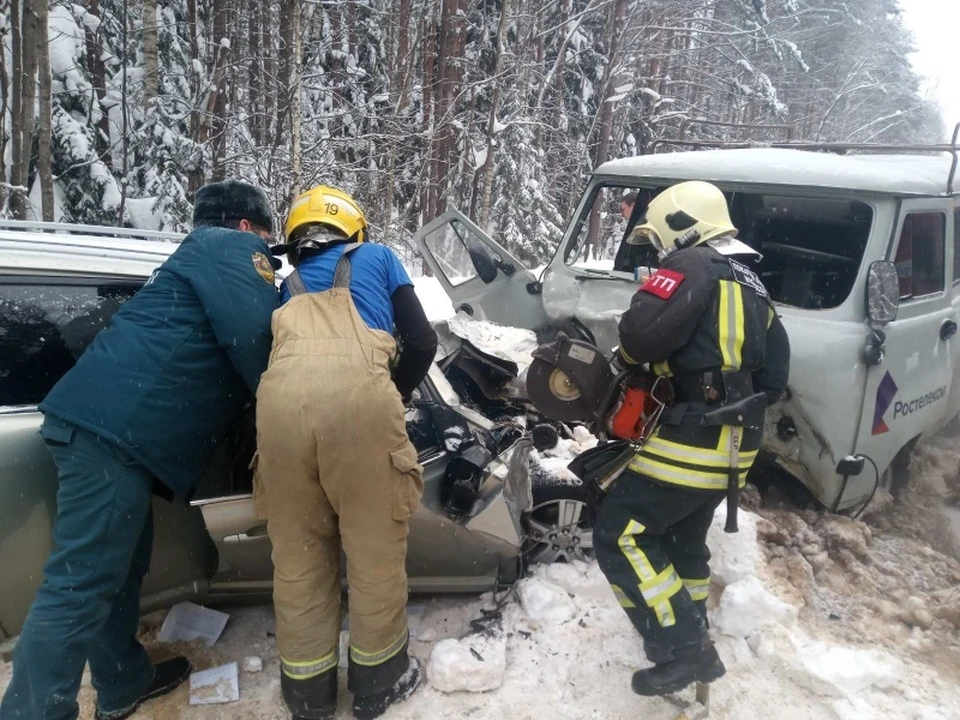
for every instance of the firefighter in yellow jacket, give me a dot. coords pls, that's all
(704, 320)
(335, 465)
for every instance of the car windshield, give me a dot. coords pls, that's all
(811, 247)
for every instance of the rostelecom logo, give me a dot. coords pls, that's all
(886, 392)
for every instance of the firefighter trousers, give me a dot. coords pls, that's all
(335, 468)
(650, 542)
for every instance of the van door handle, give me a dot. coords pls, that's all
(947, 329)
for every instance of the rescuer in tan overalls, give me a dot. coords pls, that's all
(335, 465)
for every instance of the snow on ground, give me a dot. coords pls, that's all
(561, 648)
(436, 303)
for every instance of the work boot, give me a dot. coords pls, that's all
(367, 707)
(311, 699)
(167, 677)
(691, 664)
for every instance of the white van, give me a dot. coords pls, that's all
(859, 252)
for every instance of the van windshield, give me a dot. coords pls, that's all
(811, 247)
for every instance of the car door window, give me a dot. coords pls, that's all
(920, 255)
(451, 246)
(46, 326)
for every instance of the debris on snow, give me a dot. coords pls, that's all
(544, 602)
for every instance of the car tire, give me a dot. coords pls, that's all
(559, 526)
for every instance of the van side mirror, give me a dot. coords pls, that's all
(883, 291)
(483, 261)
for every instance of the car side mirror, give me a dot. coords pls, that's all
(883, 291)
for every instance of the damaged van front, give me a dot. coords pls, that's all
(857, 253)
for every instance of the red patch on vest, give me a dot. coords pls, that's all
(663, 283)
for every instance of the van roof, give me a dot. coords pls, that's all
(923, 175)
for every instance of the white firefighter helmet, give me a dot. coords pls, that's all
(688, 214)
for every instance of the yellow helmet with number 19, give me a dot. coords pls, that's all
(325, 205)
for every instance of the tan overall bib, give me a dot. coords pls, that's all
(335, 466)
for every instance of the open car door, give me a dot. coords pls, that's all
(480, 276)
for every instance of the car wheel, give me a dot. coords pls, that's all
(559, 525)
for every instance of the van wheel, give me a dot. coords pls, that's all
(897, 475)
(559, 526)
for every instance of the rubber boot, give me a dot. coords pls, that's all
(367, 707)
(692, 664)
(311, 699)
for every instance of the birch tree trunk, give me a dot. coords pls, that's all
(44, 162)
(151, 67)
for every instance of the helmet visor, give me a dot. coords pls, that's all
(643, 234)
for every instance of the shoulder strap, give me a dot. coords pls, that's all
(295, 284)
(343, 273)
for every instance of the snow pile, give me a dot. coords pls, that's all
(545, 603)
(475, 664)
(842, 671)
(747, 607)
(735, 556)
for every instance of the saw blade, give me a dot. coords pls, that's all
(553, 393)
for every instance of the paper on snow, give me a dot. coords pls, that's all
(187, 621)
(216, 685)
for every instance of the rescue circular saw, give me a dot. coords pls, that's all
(568, 379)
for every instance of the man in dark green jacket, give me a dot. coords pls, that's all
(141, 412)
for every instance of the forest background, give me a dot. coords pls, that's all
(114, 112)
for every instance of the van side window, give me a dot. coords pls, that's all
(956, 247)
(920, 255)
(44, 327)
